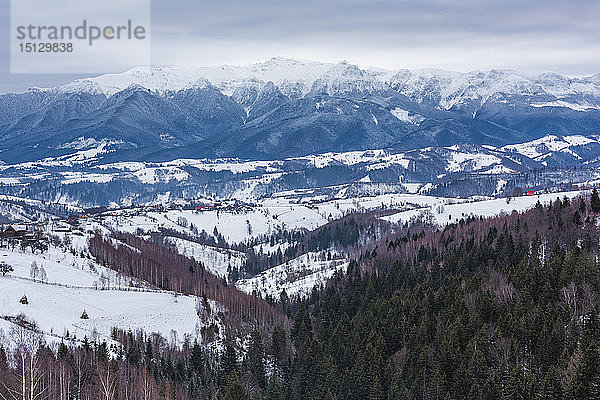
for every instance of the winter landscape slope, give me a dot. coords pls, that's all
(63, 282)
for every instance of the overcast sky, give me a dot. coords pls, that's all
(462, 35)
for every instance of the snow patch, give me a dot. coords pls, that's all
(404, 116)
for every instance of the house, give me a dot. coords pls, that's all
(62, 227)
(16, 230)
(9, 232)
(530, 192)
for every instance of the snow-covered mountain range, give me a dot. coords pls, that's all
(298, 78)
(286, 125)
(86, 179)
(286, 108)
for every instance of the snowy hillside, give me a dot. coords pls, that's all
(216, 260)
(548, 145)
(285, 211)
(58, 309)
(297, 277)
(234, 226)
(334, 175)
(57, 266)
(443, 214)
(65, 280)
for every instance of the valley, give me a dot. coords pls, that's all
(221, 237)
(292, 229)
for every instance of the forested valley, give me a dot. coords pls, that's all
(498, 308)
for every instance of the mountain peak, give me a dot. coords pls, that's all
(295, 77)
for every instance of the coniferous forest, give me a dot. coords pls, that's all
(498, 308)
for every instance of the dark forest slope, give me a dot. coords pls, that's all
(504, 308)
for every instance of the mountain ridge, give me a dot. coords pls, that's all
(284, 108)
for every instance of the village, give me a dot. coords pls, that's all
(23, 235)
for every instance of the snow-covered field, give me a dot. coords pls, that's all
(67, 281)
(442, 214)
(297, 277)
(539, 148)
(63, 267)
(57, 309)
(270, 216)
(234, 226)
(215, 259)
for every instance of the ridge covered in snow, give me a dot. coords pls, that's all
(380, 170)
(293, 77)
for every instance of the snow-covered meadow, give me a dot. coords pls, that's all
(442, 213)
(297, 277)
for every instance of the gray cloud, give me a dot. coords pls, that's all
(531, 35)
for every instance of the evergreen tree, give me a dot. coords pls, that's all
(3, 360)
(197, 359)
(582, 206)
(278, 344)
(275, 390)
(376, 390)
(229, 362)
(255, 359)
(234, 390)
(302, 327)
(594, 387)
(577, 218)
(148, 352)
(595, 201)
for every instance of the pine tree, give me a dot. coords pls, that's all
(149, 354)
(302, 327)
(229, 362)
(3, 360)
(63, 352)
(376, 390)
(278, 344)
(234, 390)
(197, 359)
(577, 218)
(595, 201)
(331, 380)
(514, 385)
(274, 389)
(255, 358)
(582, 206)
(594, 387)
